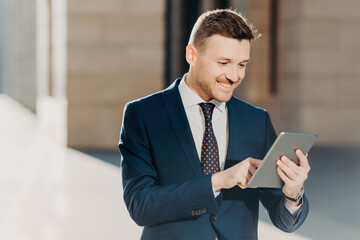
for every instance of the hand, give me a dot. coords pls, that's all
(238, 174)
(293, 175)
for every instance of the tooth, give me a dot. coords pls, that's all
(225, 85)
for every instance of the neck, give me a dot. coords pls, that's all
(190, 82)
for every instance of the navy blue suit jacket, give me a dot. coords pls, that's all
(164, 188)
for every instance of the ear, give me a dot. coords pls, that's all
(191, 54)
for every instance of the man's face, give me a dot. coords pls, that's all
(219, 67)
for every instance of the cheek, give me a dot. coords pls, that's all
(242, 73)
(211, 71)
(204, 69)
(218, 72)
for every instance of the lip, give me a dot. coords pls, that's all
(226, 87)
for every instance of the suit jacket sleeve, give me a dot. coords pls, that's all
(273, 199)
(147, 201)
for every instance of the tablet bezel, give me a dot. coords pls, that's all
(286, 143)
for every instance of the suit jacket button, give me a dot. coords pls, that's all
(214, 217)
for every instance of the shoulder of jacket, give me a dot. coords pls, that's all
(145, 101)
(245, 105)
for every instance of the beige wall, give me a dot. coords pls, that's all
(108, 44)
(115, 54)
(318, 76)
(256, 86)
(102, 54)
(326, 61)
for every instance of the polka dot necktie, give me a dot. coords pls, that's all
(209, 150)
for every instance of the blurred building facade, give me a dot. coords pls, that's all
(76, 63)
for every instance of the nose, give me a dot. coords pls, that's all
(233, 74)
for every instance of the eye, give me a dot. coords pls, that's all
(242, 64)
(222, 63)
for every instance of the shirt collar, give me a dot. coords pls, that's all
(190, 98)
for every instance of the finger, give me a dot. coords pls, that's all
(242, 184)
(252, 170)
(287, 170)
(255, 162)
(248, 176)
(302, 159)
(288, 162)
(299, 173)
(282, 175)
(245, 180)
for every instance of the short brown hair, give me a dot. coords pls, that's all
(225, 22)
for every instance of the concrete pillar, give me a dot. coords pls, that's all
(51, 68)
(18, 62)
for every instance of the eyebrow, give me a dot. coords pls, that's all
(228, 59)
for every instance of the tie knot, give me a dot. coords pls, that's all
(208, 109)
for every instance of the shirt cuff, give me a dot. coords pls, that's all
(294, 210)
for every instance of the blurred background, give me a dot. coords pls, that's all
(67, 68)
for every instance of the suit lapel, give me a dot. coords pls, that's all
(176, 112)
(237, 128)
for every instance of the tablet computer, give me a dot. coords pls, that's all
(285, 144)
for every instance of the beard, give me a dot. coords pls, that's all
(211, 91)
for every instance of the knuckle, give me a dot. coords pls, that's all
(246, 163)
(302, 171)
(306, 170)
(305, 176)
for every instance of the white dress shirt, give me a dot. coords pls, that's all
(220, 125)
(196, 120)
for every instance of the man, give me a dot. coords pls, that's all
(189, 151)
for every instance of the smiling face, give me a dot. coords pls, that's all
(217, 69)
